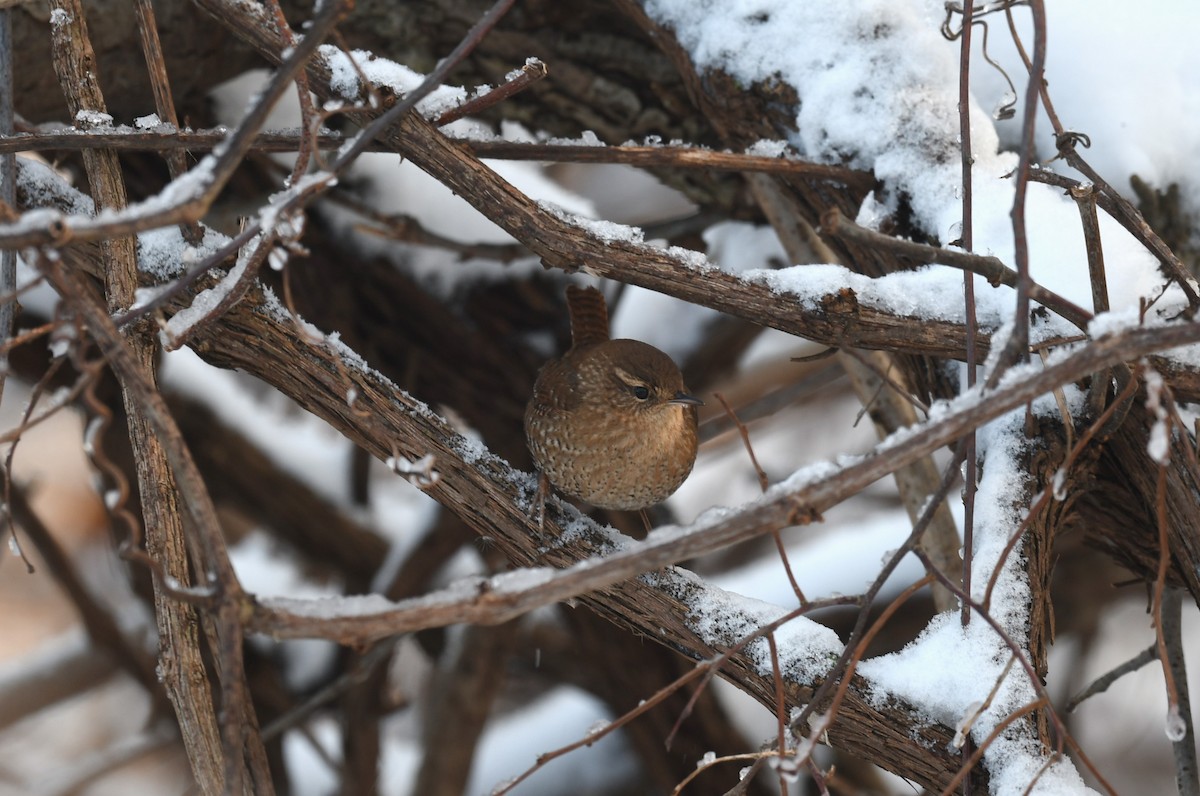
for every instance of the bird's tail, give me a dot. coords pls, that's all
(589, 315)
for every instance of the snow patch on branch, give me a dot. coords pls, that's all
(344, 79)
(164, 253)
(46, 188)
(723, 619)
(612, 232)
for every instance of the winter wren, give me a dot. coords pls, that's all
(610, 423)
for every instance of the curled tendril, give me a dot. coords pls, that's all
(1068, 139)
(1006, 109)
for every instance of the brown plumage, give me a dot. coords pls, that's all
(611, 423)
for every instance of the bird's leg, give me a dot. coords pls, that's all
(645, 520)
(539, 500)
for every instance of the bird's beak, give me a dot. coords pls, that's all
(683, 399)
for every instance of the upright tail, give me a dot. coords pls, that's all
(589, 315)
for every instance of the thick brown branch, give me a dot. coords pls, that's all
(184, 671)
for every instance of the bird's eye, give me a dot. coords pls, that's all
(641, 392)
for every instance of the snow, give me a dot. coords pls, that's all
(205, 302)
(46, 187)
(88, 119)
(1088, 49)
(950, 694)
(1159, 444)
(878, 86)
(164, 254)
(607, 231)
(1176, 728)
(723, 619)
(768, 149)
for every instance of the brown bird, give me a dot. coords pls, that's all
(610, 423)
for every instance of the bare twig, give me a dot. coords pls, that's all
(75, 63)
(1085, 199)
(164, 103)
(533, 71)
(968, 245)
(1160, 589)
(763, 483)
(670, 157)
(1102, 683)
(146, 407)
(591, 738)
(658, 157)
(995, 271)
(1180, 729)
(857, 648)
(1018, 344)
